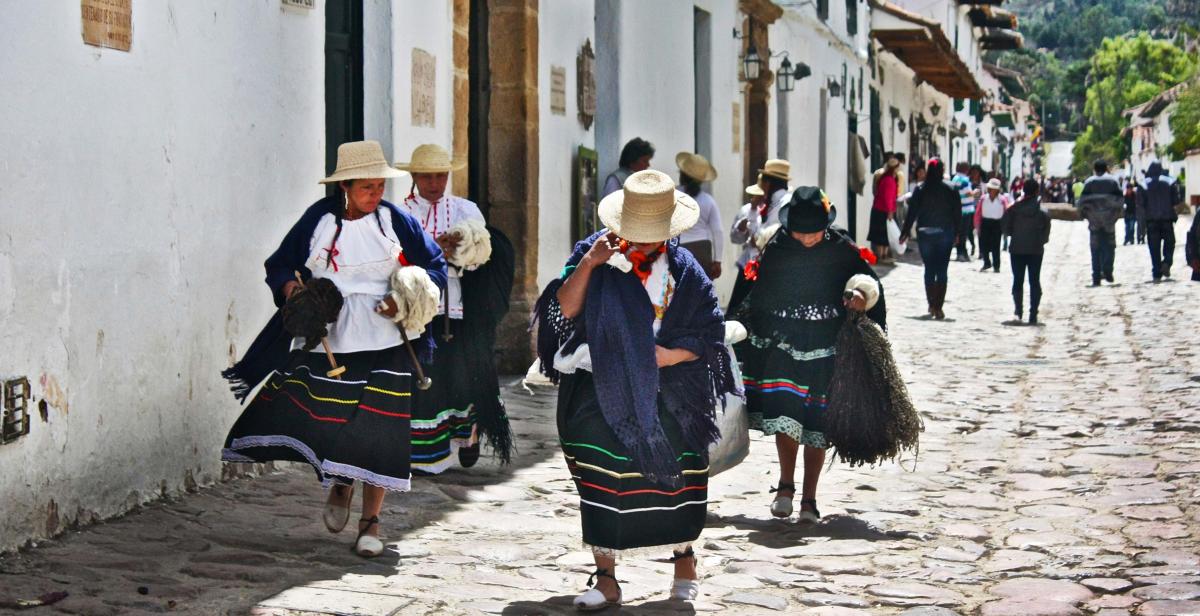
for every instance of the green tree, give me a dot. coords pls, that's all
(1126, 71)
(1185, 124)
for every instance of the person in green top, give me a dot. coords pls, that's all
(1076, 191)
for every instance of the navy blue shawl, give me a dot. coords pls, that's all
(270, 348)
(617, 325)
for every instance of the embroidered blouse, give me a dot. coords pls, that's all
(437, 218)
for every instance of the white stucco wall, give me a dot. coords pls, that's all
(427, 25)
(563, 28)
(136, 220)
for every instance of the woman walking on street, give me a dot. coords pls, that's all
(988, 212)
(336, 265)
(788, 358)
(936, 210)
(633, 334)
(1029, 227)
(883, 210)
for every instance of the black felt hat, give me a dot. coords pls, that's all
(807, 212)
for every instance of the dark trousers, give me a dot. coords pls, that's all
(935, 245)
(1160, 236)
(1130, 230)
(1032, 264)
(966, 233)
(989, 242)
(1104, 249)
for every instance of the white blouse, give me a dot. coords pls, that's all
(660, 287)
(361, 265)
(437, 218)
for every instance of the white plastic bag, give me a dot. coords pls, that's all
(893, 231)
(734, 423)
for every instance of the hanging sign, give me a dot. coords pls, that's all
(107, 23)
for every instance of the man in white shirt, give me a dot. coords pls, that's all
(761, 213)
(704, 240)
(988, 212)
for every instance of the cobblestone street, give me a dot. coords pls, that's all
(1057, 475)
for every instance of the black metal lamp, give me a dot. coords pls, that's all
(936, 109)
(752, 63)
(787, 80)
(835, 88)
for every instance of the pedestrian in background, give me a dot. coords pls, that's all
(966, 195)
(1102, 203)
(883, 209)
(705, 240)
(935, 209)
(634, 337)
(773, 181)
(1192, 247)
(1131, 214)
(1029, 227)
(793, 315)
(988, 213)
(635, 156)
(1160, 196)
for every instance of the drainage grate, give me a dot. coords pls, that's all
(14, 423)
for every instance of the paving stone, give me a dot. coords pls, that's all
(1169, 608)
(1028, 607)
(768, 601)
(1170, 592)
(1044, 589)
(1108, 585)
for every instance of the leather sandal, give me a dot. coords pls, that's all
(336, 516)
(810, 515)
(683, 589)
(368, 546)
(781, 507)
(592, 600)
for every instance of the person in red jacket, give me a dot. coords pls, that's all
(887, 189)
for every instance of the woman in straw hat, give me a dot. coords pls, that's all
(464, 400)
(633, 335)
(351, 423)
(704, 239)
(773, 181)
(788, 357)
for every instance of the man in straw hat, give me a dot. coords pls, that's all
(988, 213)
(773, 192)
(337, 396)
(640, 380)
(464, 399)
(704, 240)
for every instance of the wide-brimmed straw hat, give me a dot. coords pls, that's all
(648, 209)
(431, 158)
(695, 166)
(754, 190)
(361, 160)
(777, 168)
(994, 184)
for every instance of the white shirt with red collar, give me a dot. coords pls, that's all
(437, 218)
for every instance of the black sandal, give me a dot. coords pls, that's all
(368, 545)
(814, 514)
(781, 507)
(677, 556)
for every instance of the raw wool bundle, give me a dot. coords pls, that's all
(417, 298)
(764, 235)
(870, 416)
(310, 308)
(475, 244)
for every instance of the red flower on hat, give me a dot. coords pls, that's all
(750, 272)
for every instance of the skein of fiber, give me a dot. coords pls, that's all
(870, 417)
(310, 308)
(417, 297)
(475, 245)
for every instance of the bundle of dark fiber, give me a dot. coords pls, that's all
(310, 308)
(870, 416)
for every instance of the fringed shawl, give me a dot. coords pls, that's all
(617, 326)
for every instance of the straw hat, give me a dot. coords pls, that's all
(648, 209)
(431, 158)
(754, 190)
(777, 168)
(994, 184)
(696, 166)
(361, 160)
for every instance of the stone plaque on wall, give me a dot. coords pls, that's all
(558, 90)
(585, 84)
(301, 4)
(108, 23)
(737, 128)
(424, 87)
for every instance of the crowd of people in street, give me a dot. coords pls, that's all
(379, 365)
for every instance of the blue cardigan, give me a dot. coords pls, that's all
(270, 348)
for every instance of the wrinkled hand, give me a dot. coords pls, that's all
(600, 252)
(856, 302)
(669, 357)
(449, 242)
(387, 307)
(714, 270)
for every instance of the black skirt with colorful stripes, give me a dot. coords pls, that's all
(443, 415)
(620, 509)
(353, 429)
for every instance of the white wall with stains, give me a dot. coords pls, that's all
(140, 192)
